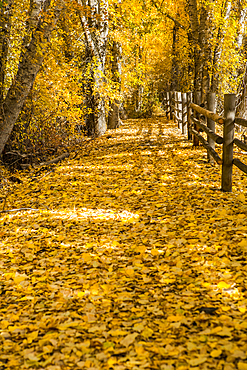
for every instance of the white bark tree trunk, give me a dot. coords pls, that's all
(94, 20)
(218, 48)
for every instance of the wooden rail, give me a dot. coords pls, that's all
(211, 115)
(216, 138)
(240, 144)
(185, 109)
(241, 121)
(208, 147)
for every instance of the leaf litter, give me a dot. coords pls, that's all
(130, 258)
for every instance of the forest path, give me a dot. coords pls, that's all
(135, 260)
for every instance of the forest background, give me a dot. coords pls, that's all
(71, 68)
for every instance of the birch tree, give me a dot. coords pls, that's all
(94, 20)
(113, 115)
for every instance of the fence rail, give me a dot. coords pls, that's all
(192, 118)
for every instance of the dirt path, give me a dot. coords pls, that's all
(135, 260)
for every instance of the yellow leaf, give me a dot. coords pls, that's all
(140, 248)
(242, 309)
(191, 346)
(86, 257)
(223, 285)
(197, 361)
(15, 327)
(239, 354)
(94, 289)
(222, 213)
(173, 318)
(216, 353)
(4, 324)
(225, 308)
(90, 317)
(241, 197)
(129, 271)
(139, 327)
(154, 252)
(19, 278)
(117, 332)
(8, 275)
(147, 332)
(140, 350)
(243, 243)
(111, 361)
(164, 177)
(32, 357)
(32, 336)
(216, 329)
(129, 339)
(179, 264)
(242, 365)
(225, 332)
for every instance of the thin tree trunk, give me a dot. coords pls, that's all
(194, 35)
(175, 85)
(204, 42)
(5, 26)
(113, 115)
(68, 49)
(218, 48)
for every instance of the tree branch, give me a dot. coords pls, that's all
(177, 23)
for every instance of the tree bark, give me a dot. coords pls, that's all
(218, 48)
(113, 115)
(94, 20)
(194, 37)
(5, 26)
(175, 85)
(29, 66)
(199, 35)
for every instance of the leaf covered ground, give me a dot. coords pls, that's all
(133, 259)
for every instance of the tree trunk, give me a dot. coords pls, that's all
(194, 38)
(94, 20)
(113, 115)
(218, 48)
(5, 17)
(29, 66)
(63, 24)
(175, 85)
(199, 41)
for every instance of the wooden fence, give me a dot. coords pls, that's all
(192, 119)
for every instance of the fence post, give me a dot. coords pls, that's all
(179, 111)
(189, 100)
(228, 136)
(210, 122)
(184, 113)
(198, 97)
